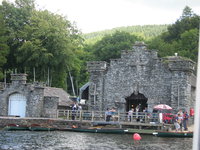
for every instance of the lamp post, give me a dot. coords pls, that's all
(178, 97)
(94, 94)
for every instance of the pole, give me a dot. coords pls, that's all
(72, 83)
(94, 94)
(178, 97)
(196, 137)
(5, 79)
(48, 76)
(34, 74)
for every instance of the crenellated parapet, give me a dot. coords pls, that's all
(178, 63)
(18, 78)
(96, 66)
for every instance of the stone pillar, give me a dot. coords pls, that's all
(97, 70)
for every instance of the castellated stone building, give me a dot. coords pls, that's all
(141, 78)
(31, 100)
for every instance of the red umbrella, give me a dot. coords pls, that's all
(162, 107)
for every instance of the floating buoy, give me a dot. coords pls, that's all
(137, 137)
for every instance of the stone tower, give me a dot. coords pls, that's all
(96, 88)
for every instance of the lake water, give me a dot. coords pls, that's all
(57, 140)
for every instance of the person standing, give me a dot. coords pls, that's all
(176, 124)
(137, 113)
(185, 120)
(180, 121)
(108, 114)
(74, 108)
(130, 114)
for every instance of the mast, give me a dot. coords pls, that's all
(196, 137)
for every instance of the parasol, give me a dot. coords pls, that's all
(162, 107)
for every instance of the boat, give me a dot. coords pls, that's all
(104, 123)
(183, 134)
(14, 127)
(37, 127)
(140, 131)
(98, 130)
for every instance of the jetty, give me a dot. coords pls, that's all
(145, 123)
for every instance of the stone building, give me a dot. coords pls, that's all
(141, 78)
(31, 100)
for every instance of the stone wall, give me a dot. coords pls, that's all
(46, 122)
(50, 107)
(33, 94)
(19, 98)
(160, 80)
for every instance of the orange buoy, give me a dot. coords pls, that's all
(137, 137)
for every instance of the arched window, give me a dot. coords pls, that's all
(17, 105)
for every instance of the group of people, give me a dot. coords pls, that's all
(181, 120)
(75, 108)
(136, 112)
(110, 113)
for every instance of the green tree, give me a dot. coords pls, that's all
(15, 16)
(187, 21)
(189, 44)
(42, 40)
(50, 43)
(181, 37)
(111, 45)
(4, 49)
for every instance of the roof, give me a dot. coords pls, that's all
(85, 86)
(64, 99)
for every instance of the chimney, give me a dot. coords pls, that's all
(18, 78)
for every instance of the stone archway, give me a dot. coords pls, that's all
(136, 99)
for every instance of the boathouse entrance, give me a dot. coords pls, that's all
(134, 100)
(17, 105)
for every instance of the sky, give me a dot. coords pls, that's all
(97, 15)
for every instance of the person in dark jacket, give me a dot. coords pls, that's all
(185, 120)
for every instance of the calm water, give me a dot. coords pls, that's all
(57, 140)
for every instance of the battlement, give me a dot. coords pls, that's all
(96, 66)
(140, 43)
(178, 63)
(18, 78)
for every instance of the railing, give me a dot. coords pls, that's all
(101, 116)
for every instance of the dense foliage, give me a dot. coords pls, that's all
(181, 37)
(110, 46)
(51, 47)
(146, 32)
(41, 41)
(3, 45)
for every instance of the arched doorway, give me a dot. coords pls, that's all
(136, 99)
(17, 105)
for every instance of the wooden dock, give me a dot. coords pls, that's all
(90, 118)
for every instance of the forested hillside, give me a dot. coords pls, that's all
(50, 49)
(146, 32)
(180, 37)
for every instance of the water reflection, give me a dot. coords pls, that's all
(26, 140)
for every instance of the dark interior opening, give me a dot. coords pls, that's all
(85, 94)
(136, 99)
